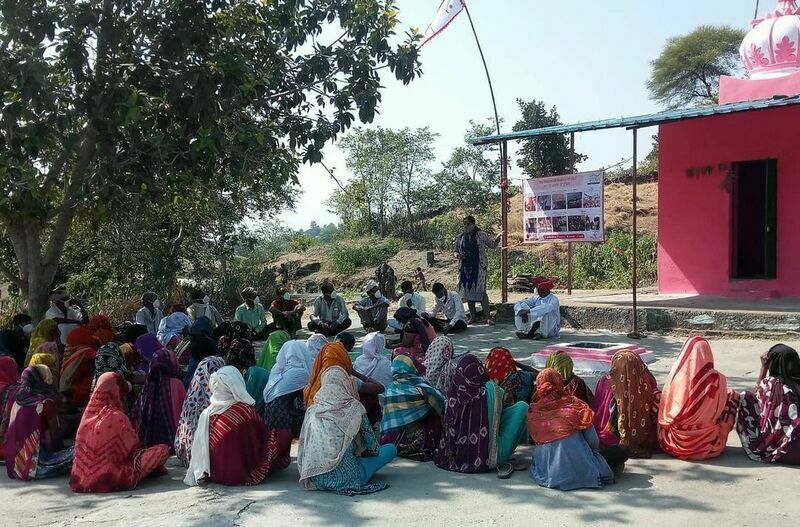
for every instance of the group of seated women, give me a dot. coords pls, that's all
(109, 409)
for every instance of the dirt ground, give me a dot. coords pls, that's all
(730, 490)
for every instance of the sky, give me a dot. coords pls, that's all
(591, 59)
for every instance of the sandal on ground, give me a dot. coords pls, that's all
(505, 470)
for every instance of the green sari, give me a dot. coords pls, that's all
(269, 354)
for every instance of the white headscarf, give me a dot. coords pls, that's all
(227, 388)
(291, 370)
(372, 362)
(329, 426)
(315, 343)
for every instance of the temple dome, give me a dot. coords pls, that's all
(770, 49)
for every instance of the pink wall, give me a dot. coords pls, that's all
(694, 211)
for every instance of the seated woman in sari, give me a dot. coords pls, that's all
(697, 410)
(440, 366)
(108, 454)
(110, 359)
(199, 346)
(33, 443)
(416, 337)
(338, 450)
(147, 345)
(274, 343)
(77, 367)
(232, 445)
(161, 400)
(626, 406)
(768, 422)
(239, 353)
(475, 409)
(336, 354)
(573, 385)
(100, 328)
(283, 395)
(197, 399)
(46, 331)
(9, 385)
(412, 410)
(515, 378)
(567, 455)
(128, 335)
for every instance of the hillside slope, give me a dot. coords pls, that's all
(311, 268)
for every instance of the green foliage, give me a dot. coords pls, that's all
(647, 167)
(347, 257)
(300, 242)
(688, 70)
(595, 266)
(542, 156)
(125, 101)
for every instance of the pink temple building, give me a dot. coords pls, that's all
(728, 182)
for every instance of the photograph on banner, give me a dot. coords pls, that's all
(567, 208)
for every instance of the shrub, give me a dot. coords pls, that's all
(347, 257)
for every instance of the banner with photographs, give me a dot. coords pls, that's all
(566, 208)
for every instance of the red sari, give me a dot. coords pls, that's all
(108, 454)
(77, 366)
(242, 449)
(9, 384)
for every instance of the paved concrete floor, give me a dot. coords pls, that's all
(731, 490)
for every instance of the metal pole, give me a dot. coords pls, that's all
(635, 280)
(504, 214)
(569, 244)
(486, 68)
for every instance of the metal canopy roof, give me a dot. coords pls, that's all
(640, 121)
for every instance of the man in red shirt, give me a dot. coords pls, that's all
(285, 306)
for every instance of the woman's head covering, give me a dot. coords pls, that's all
(500, 364)
(81, 336)
(109, 358)
(227, 388)
(36, 385)
(439, 364)
(333, 354)
(47, 359)
(201, 345)
(9, 374)
(467, 416)
(273, 344)
(202, 327)
(237, 352)
(562, 363)
(291, 371)
(100, 327)
(784, 364)
(46, 331)
(172, 326)
(635, 393)
(408, 398)
(109, 391)
(330, 424)
(372, 362)
(554, 415)
(315, 343)
(148, 345)
(695, 396)
(198, 398)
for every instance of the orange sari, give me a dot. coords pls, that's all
(333, 354)
(697, 411)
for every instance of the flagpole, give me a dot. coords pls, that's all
(485, 67)
(503, 170)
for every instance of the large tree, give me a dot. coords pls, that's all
(547, 155)
(688, 70)
(110, 103)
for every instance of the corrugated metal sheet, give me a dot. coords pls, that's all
(641, 121)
